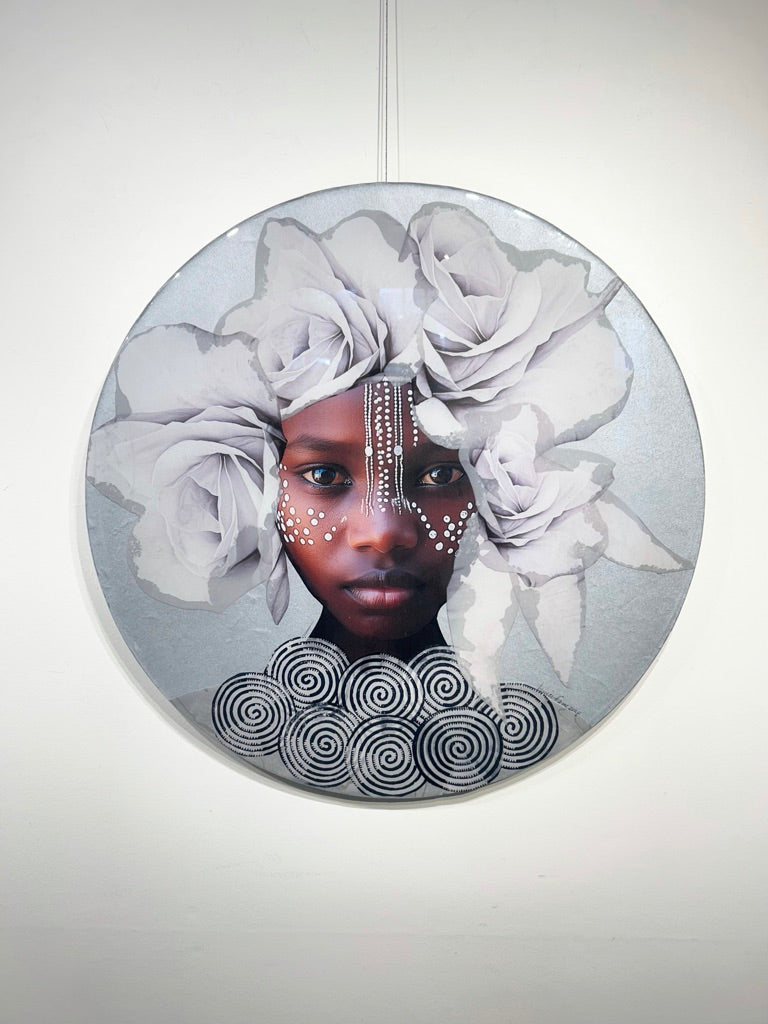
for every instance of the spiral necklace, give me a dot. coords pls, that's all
(379, 727)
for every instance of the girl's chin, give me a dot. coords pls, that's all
(379, 634)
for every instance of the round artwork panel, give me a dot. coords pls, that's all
(394, 491)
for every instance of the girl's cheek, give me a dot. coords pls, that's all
(299, 521)
(444, 531)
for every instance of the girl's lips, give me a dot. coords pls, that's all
(384, 589)
(382, 598)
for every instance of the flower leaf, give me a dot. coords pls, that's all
(555, 612)
(631, 543)
(481, 609)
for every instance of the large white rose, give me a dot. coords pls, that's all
(333, 309)
(492, 324)
(204, 490)
(539, 510)
(192, 452)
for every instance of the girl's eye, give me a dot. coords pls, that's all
(441, 476)
(326, 476)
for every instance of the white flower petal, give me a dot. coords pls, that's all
(579, 384)
(435, 419)
(293, 259)
(112, 467)
(225, 590)
(555, 611)
(279, 588)
(571, 544)
(481, 610)
(366, 251)
(171, 373)
(158, 570)
(631, 543)
(123, 454)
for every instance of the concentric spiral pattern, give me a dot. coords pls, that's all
(381, 685)
(313, 745)
(380, 727)
(380, 757)
(529, 728)
(459, 750)
(249, 713)
(309, 670)
(442, 679)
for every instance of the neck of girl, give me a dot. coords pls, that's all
(357, 647)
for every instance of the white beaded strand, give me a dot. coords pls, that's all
(400, 501)
(367, 503)
(414, 423)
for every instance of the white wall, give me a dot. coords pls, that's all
(148, 880)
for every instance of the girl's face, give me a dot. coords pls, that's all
(371, 511)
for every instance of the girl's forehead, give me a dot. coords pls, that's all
(334, 418)
(370, 412)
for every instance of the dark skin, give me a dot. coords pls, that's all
(380, 567)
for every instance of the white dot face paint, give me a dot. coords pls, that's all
(453, 531)
(383, 453)
(292, 519)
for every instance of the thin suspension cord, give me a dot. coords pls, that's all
(388, 144)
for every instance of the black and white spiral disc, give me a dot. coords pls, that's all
(381, 685)
(529, 728)
(249, 713)
(381, 759)
(459, 749)
(313, 745)
(442, 679)
(309, 669)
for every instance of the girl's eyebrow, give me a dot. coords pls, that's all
(321, 445)
(311, 444)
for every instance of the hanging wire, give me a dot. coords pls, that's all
(388, 143)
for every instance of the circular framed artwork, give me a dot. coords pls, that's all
(395, 491)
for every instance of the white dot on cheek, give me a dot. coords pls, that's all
(329, 536)
(439, 546)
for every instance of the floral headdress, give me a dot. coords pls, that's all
(512, 359)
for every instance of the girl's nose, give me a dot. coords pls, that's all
(383, 528)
